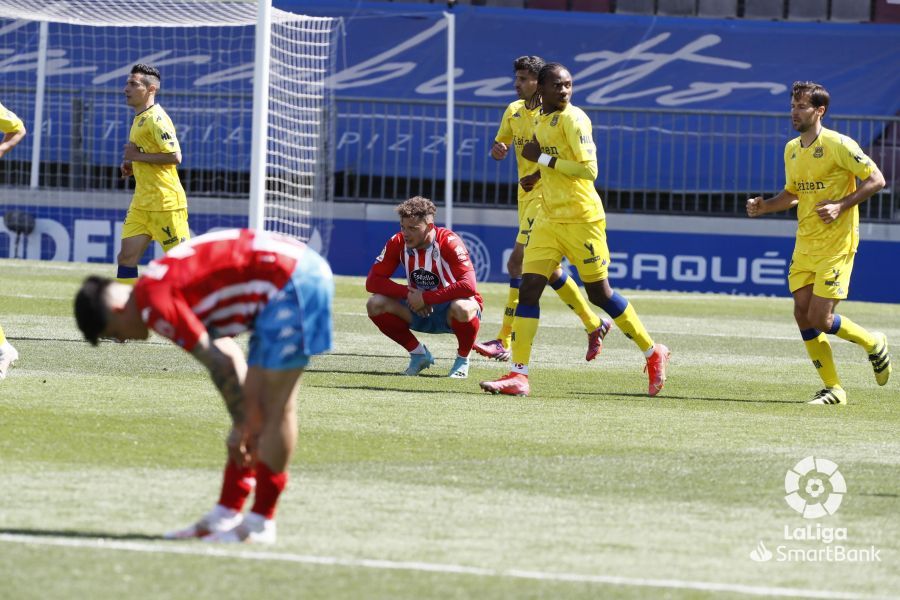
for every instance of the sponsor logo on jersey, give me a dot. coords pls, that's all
(424, 280)
(380, 257)
(810, 186)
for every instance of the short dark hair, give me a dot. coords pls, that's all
(91, 311)
(148, 72)
(549, 68)
(418, 208)
(818, 95)
(532, 64)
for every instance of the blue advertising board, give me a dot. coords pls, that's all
(689, 260)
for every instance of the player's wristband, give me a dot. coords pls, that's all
(544, 159)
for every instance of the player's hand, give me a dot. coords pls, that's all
(130, 152)
(415, 301)
(499, 150)
(239, 447)
(125, 169)
(755, 206)
(532, 150)
(829, 210)
(529, 181)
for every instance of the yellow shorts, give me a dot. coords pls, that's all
(168, 227)
(584, 244)
(829, 275)
(526, 221)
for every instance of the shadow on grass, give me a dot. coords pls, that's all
(663, 396)
(60, 533)
(403, 390)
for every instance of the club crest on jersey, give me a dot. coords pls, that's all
(424, 280)
(554, 120)
(141, 122)
(819, 152)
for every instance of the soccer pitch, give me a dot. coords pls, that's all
(428, 487)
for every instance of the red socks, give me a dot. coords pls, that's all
(397, 329)
(237, 483)
(269, 486)
(466, 332)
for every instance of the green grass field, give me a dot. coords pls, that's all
(427, 487)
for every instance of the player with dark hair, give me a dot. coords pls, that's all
(200, 295)
(440, 295)
(13, 130)
(516, 128)
(820, 169)
(572, 224)
(158, 208)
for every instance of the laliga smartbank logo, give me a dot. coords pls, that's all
(814, 488)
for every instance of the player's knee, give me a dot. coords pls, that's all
(376, 305)
(531, 288)
(461, 312)
(600, 293)
(126, 259)
(821, 321)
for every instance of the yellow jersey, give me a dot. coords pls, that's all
(156, 187)
(568, 135)
(517, 129)
(825, 170)
(9, 122)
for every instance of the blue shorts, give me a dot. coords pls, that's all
(296, 323)
(436, 322)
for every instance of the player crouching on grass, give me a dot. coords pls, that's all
(440, 295)
(199, 295)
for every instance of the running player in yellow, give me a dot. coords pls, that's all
(516, 128)
(158, 208)
(820, 168)
(13, 130)
(572, 224)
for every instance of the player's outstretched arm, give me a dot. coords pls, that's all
(759, 206)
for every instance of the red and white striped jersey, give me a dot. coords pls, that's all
(215, 283)
(443, 270)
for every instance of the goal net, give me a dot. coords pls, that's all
(65, 64)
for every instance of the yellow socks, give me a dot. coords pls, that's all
(819, 350)
(509, 312)
(846, 329)
(524, 330)
(631, 326)
(569, 293)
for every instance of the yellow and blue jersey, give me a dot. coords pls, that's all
(825, 170)
(156, 187)
(516, 130)
(568, 135)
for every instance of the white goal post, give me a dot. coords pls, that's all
(247, 122)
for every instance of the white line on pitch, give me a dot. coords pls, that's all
(368, 563)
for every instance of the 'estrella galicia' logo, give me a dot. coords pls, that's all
(424, 280)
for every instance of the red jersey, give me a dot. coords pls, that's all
(442, 271)
(215, 283)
